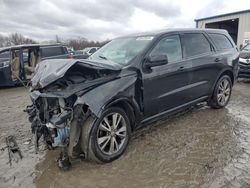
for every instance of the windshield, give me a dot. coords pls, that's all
(247, 47)
(122, 50)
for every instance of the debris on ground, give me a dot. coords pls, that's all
(13, 149)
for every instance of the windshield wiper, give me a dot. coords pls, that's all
(103, 57)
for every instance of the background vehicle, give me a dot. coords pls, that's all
(244, 62)
(71, 51)
(17, 63)
(85, 53)
(80, 54)
(90, 50)
(130, 82)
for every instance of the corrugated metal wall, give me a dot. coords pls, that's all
(244, 24)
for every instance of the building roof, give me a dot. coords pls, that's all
(223, 15)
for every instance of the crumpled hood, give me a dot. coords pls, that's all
(49, 71)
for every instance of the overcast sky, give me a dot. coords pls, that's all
(105, 19)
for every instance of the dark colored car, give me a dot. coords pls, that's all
(17, 63)
(244, 62)
(92, 106)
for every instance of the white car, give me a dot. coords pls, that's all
(90, 50)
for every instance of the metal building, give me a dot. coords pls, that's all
(236, 23)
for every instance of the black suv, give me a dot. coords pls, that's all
(92, 106)
(244, 62)
(17, 63)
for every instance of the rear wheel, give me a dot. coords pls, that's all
(222, 93)
(109, 136)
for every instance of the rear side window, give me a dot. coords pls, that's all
(52, 51)
(195, 44)
(170, 46)
(221, 41)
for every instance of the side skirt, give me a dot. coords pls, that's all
(161, 115)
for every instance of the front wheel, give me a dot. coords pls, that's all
(222, 93)
(109, 136)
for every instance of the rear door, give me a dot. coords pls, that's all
(226, 49)
(165, 87)
(199, 52)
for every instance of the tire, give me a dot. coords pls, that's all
(107, 142)
(222, 93)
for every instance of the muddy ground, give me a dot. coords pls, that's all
(200, 147)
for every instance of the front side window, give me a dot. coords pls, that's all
(122, 50)
(221, 41)
(195, 44)
(169, 46)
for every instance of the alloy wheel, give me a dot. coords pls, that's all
(224, 91)
(112, 133)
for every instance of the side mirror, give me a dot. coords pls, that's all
(158, 60)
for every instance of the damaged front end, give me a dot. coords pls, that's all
(57, 119)
(50, 117)
(59, 105)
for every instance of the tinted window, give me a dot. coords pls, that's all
(221, 41)
(170, 46)
(52, 51)
(195, 44)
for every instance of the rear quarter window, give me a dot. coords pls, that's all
(52, 51)
(195, 44)
(221, 41)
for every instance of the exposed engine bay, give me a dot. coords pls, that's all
(52, 113)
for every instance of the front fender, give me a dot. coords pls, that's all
(99, 97)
